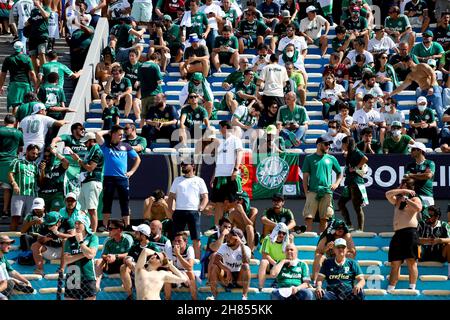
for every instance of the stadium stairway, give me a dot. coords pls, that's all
(372, 251)
(64, 57)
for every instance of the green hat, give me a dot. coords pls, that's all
(428, 33)
(167, 17)
(197, 76)
(51, 218)
(84, 219)
(396, 124)
(271, 129)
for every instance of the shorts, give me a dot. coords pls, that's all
(21, 204)
(234, 280)
(53, 201)
(146, 104)
(431, 255)
(87, 289)
(191, 218)
(316, 42)
(90, 195)
(142, 12)
(324, 205)
(51, 253)
(112, 268)
(37, 48)
(224, 58)
(404, 245)
(225, 189)
(16, 93)
(250, 42)
(121, 104)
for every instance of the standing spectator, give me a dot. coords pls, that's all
(11, 142)
(417, 12)
(141, 11)
(404, 243)
(292, 120)
(172, 35)
(311, 29)
(38, 37)
(273, 79)
(80, 251)
(171, 8)
(422, 171)
(52, 65)
(80, 41)
(340, 274)
(278, 213)
(196, 58)
(138, 143)
(115, 175)
(26, 108)
(52, 95)
(231, 16)
(397, 142)
(110, 112)
(427, 49)
(397, 26)
(317, 183)
(381, 43)
(195, 21)
(23, 9)
(354, 183)
(231, 265)
(95, 8)
(215, 19)
(21, 72)
(367, 144)
(225, 50)
(395, 60)
(423, 123)
(191, 197)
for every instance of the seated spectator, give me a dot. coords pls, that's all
(356, 72)
(335, 136)
(337, 229)
(357, 25)
(231, 16)
(277, 214)
(397, 142)
(196, 58)
(417, 12)
(117, 9)
(381, 43)
(401, 69)
(262, 59)
(125, 37)
(292, 120)
(290, 37)
(246, 117)
(138, 143)
(270, 11)
(341, 43)
(367, 116)
(156, 208)
(338, 69)
(52, 95)
(367, 144)
(298, 81)
(343, 117)
(279, 29)
(268, 116)
(291, 54)
(291, 274)
(368, 86)
(237, 76)
(115, 250)
(244, 95)
(427, 49)
(445, 132)
(193, 116)
(110, 112)
(434, 238)
(157, 44)
(398, 27)
(225, 50)
(251, 31)
(119, 87)
(270, 142)
(340, 274)
(389, 115)
(173, 37)
(32, 224)
(442, 29)
(273, 251)
(359, 48)
(362, 5)
(131, 70)
(385, 73)
(330, 94)
(199, 85)
(311, 29)
(171, 8)
(423, 123)
(231, 265)
(251, 6)
(183, 258)
(157, 237)
(103, 72)
(293, 7)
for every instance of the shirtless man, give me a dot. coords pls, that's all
(156, 208)
(150, 280)
(425, 77)
(404, 243)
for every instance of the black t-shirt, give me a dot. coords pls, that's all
(168, 114)
(442, 36)
(266, 119)
(56, 242)
(201, 51)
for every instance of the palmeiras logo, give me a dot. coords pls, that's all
(272, 172)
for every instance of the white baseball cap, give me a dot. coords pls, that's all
(38, 203)
(311, 9)
(142, 228)
(421, 100)
(419, 145)
(38, 107)
(71, 195)
(18, 46)
(88, 136)
(340, 243)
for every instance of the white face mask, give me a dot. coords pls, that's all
(397, 133)
(387, 108)
(422, 108)
(290, 54)
(332, 131)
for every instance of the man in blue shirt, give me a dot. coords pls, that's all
(115, 174)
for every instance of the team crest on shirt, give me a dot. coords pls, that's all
(347, 269)
(427, 117)
(197, 116)
(122, 86)
(123, 148)
(327, 161)
(272, 172)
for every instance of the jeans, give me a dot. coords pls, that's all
(299, 134)
(94, 20)
(210, 39)
(110, 184)
(343, 296)
(302, 294)
(434, 101)
(388, 86)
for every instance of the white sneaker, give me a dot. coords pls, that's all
(244, 298)
(137, 120)
(210, 298)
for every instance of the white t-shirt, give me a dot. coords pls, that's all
(243, 115)
(274, 77)
(362, 118)
(188, 254)
(332, 93)
(262, 65)
(297, 41)
(4, 275)
(375, 91)
(233, 258)
(188, 191)
(53, 26)
(91, 4)
(336, 146)
(217, 10)
(381, 46)
(118, 5)
(391, 117)
(34, 128)
(226, 155)
(22, 9)
(313, 28)
(352, 56)
(348, 120)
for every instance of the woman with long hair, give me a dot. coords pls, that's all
(354, 182)
(386, 76)
(330, 93)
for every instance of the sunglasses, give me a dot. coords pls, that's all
(156, 255)
(281, 233)
(326, 144)
(332, 127)
(192, 97)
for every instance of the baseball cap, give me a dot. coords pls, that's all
(84, 219)
(6, 239)
(38, 203)
(428, 33)
(197, 76)
(193, 37)
(51, 218)
(311, 9)
(167, 17)
(431, 62)
(142, 228)
(378, 28)
(88, 136)
(396, 124)
(356, 9)
(271, 129)
(340, 242)
(38, 107)
(421, 99)
(419, 145)
(323, 139)
(285, 14)
(278, 196)
(18, 46)
(71, 195)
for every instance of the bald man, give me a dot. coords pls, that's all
(158, 239)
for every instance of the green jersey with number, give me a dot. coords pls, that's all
(25, 174)
(86, 266)
(320, 171)
(52, 95)
(293, 274)
(422, 187)
(117, 247)
(57, 67)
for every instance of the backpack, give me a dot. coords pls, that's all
(25, 258)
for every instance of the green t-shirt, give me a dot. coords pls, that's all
(359, 25)
(39, 29)
(401, 146)
(131, 72)
(123, 246)
(298, 115)
(95, 154)
(194, 117)
(5, 267)
(416, 117)
(72, 218)
(57, 67)
(374, 144)
(138, 141)
(340, 277)
(76, 145)
(293, 275)
(120, 87)
(422, 187)
(53, 181)
(10, 141)
(354, 159)
(247, 89)
(199, 22)
(18, 65)
(160, 243)
(86, 266)
(110, 116)
(230, 15)
(400, 24)
(336, 43)
(149, 74)
(274, 250)
(232, 42)
(285, 215)
(81, 39)
(25, 175)
(320, 171)
(124, 37)
(52, 95)
(420, 50)
(35, 228)
(257, 28)
(235, 78)
(173, 35)
(25, 109)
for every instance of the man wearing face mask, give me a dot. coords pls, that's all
(397, 142)
(335, 136)
(423, 123)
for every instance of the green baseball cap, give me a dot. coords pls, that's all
(397, 124)
(271, 129)
(84, 219)
(51, 218)
(167, 17)
(428, 33)
(197, 76)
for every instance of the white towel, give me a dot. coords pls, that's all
(186, 21)
(283, 228)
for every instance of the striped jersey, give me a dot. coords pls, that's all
(25, 174)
